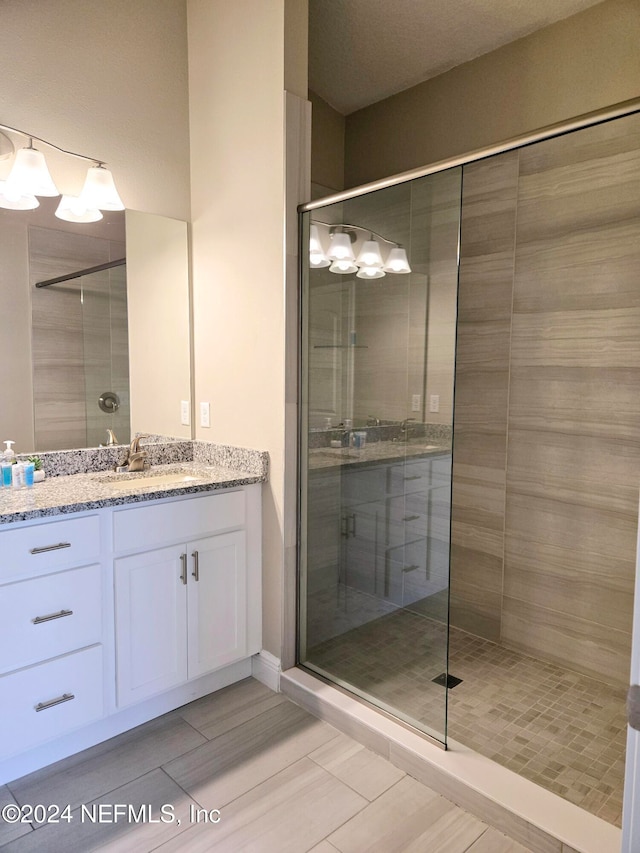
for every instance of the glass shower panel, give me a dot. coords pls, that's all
(376, 443)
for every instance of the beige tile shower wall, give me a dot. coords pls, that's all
(482, 393)
(574, 414)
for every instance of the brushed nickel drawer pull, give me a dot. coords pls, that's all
(196, 566)
(410, 517)
(40, 619)
(45, 548)
(414, 477)
(183, 573)
(66, 697)
(410, 568)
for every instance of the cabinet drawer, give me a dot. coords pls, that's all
(29, 712)
(35, 549)
(49, 616)
(149, 526)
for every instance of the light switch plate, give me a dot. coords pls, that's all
(205, 419)
(434, 403)
(185, 416)
(416, 402)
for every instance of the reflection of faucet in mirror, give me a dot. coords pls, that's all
(111, 438)
(405, 429)
(136, 459)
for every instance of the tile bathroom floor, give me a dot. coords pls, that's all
(283, 782)
(557, 728)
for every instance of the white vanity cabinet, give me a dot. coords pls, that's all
(113, 617)
(182, 610)
(51, 630)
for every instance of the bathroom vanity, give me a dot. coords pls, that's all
(121, 602)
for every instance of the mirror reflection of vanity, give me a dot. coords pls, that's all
(122, 330)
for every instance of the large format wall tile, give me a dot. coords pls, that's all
(574, 408)
(482, 393)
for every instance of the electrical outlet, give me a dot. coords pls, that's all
(185, 415)
(416, 402)
(205, 415)
(434, 403)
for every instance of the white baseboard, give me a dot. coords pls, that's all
(265, 668)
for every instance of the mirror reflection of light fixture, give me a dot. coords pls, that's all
(376, 256)
(397, 261)
(340, 247)
(29, 178)
(370, 254)
(317, 257)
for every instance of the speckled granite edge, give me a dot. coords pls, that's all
(61, 497)
(254, 461)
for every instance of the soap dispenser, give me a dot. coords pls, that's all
(7, 462)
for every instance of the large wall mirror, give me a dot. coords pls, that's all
(95, 331)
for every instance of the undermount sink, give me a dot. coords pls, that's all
(147, 479)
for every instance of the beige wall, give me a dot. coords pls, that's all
(237, 105)
(158, 310)
(327, 147)
(580, 64)
(108, 80)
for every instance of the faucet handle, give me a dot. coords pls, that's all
(135, 443)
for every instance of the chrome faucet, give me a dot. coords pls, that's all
(136, 459)
(404, 428)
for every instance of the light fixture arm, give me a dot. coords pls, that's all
(352, 230)
(31, 137)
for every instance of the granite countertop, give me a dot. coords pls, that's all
(79, 492)
(375, 453)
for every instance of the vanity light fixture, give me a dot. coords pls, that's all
(29, 178)
(376, 256)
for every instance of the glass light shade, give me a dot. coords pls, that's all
(370, 255)
(317, 257)
(340, 248)
(397, 262)
(343, 267)
(370, 272)
(99, 191)
(15, 201)
(29, 175)
(73, 209)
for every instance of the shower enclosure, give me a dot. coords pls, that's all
(379, 335)
(488, 601)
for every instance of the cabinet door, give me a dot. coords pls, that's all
(151, 630)
(217, 602)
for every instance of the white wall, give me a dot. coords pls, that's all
(236, 91)
(158, 312)
(105, 79)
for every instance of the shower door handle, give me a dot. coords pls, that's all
(352, 530)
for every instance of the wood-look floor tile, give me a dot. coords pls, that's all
(118, 833)
(359, 768)
(408, 817)
(219, 712)
(93, 772)
(493, 841)
(323, 847)
(9, 831)
(233, 763)
(289, 812)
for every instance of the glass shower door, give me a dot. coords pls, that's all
(379, 298)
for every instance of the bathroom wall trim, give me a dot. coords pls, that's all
(624, 108)
(266, 669)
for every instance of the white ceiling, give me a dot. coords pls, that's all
(361, 51)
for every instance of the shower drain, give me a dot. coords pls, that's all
(445, 680)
